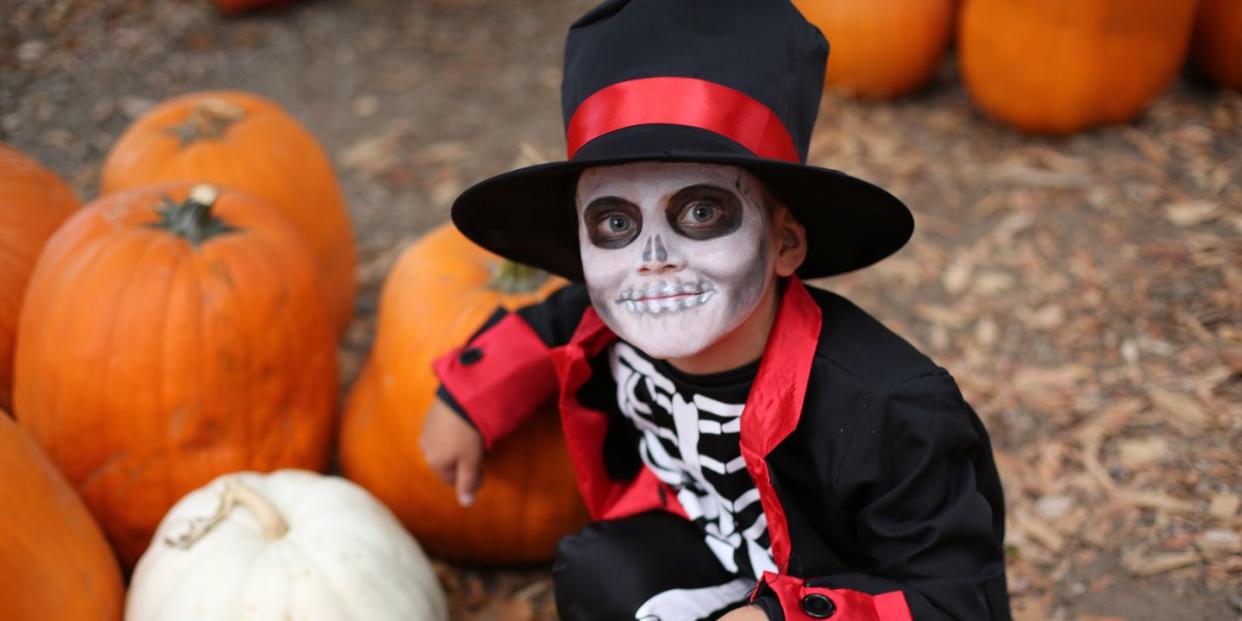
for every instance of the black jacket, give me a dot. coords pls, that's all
(876, 477)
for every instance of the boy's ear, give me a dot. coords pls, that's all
(790, 241)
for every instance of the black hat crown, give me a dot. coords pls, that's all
(721, 70)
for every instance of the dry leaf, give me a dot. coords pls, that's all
(957, 276)
(440, 153)
(1224, 505)
(1031, 609)
(1037, 378)
(1047, 317)
(1140, 565)
(1218, 543)
(1190, 213)
(1052, 508)
(1038, 531)
(133, 107)
(1025, 175)
(986, 332)
(941, 316)
(991, 283)
(1157, 500)
(1138, 452)
(1181, 407)
(376, 154)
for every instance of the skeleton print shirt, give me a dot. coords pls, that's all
(689, 428)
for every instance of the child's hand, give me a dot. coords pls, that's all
(745, 613)
(453, 449)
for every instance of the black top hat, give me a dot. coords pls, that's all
(721, 81)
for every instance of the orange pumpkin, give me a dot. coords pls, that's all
(1217, 42)
(33, 202)
(168, 339)
(1059, 66)
(439, 292)
(242, 141)
(54, 562)
(881, 48)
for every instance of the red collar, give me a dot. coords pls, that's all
(775, 400)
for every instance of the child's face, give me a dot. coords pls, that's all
(675, 255)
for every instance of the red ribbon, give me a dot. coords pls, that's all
(682, 101)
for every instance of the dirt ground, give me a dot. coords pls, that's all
(1085, 291)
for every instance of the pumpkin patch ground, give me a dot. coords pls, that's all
(1083, 289)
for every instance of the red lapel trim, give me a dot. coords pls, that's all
(774, 404)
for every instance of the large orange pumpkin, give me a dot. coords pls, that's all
(169, 339)
(54, 562)
(33, 202)
(245, 142)
(881, 48)
(1217, 43)
(438, 293)
(1059, 66)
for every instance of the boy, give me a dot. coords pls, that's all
(748, 447)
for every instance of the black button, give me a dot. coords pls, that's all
(818, 606)
(470, 355)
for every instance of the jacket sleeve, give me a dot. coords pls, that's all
(503, 374)
(924, 504)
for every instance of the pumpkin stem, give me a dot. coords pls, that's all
(235, 493)
(209, 119)
(511, 277)
(193, 219)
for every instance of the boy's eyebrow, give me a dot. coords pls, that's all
(607, 201)
(698, 187)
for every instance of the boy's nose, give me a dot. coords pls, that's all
(656, 259)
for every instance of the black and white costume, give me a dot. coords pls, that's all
(690, 428)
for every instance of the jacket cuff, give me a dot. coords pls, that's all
(800, 602)
(499, 379)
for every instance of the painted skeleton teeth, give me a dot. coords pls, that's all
(662, 301)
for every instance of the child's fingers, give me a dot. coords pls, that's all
(467, 476)
(447, 471)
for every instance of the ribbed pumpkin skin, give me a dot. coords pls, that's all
(432, 301)
(54, 562)
(1059, 66)
(881, 48)
(33, 202)
(147, 367)
(264, 152)
(1217, 43)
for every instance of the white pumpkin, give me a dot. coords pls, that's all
(288, 546)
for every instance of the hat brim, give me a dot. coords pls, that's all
(528, 215)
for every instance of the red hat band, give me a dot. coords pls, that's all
(682, 101)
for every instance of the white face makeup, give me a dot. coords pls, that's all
(675, 255)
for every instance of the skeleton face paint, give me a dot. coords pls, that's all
(675, 255)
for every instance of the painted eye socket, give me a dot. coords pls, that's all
(705, 212)
(612, 223)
